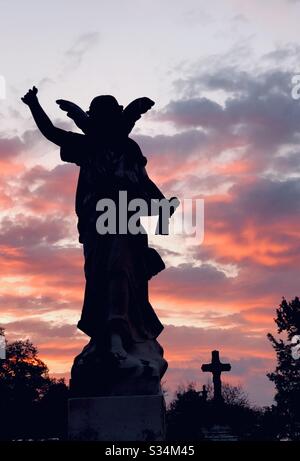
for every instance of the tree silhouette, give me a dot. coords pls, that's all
(232, 395)
(184, 415)
(28, 396)
(52, 410)
(286, 376)
(23, 374)
(189, 416)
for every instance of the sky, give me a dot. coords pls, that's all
(224, 128)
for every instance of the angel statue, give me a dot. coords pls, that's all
(123, 356)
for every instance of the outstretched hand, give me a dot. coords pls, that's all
(31, 96)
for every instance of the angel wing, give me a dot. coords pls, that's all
(75, 112)
(134, 110)
(130, 114)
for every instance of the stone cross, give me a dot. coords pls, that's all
(216, 368)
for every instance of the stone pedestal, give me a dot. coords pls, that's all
(117, 418)
(96, 373)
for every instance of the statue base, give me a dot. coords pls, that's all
(117, 418)
(97, 374)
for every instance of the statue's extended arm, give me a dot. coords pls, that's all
(43, 122)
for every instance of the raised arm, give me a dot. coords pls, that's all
(43, 122)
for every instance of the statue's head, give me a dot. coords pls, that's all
(105, 110)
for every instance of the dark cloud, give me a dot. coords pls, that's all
(27, 231)
(259, 108)
(28, 305)
(204, 294)
(40, 329)
(194, 113)
(10, 147)
(176, 147)
(49, 190)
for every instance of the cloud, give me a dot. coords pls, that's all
(10, 147)
(27, 231)
(52, 191)
(77, 51)
(259, 108)
(193, 113)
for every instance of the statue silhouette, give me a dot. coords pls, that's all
(123, 355)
